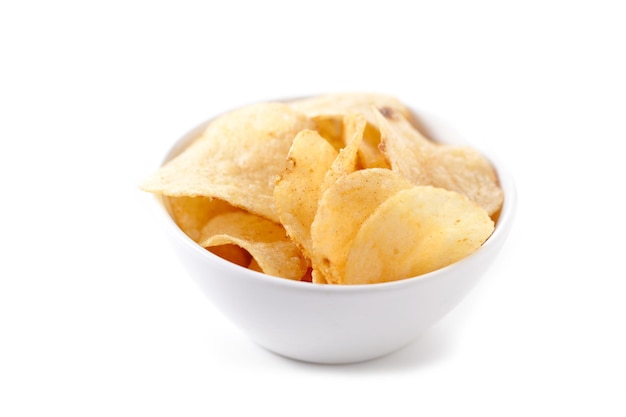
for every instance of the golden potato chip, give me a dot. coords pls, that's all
(330, 127)
(297, 190)
(344, 206)
(415, 231)
(192, 213)
(264, 239)
(328, 111)
(236, 159)
(346, 161)
(424, 162)
(317, 277)
(308, 277)
(340, 104)
(232, 253)
(254, 265)
(370, 155)
(333, 189)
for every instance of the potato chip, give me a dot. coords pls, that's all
(254, 265)
(236, 159)
(333, 189)
(340, 104)
(264, 239)
(192, 213)
(424, 162)
(328, 111)
(308, 277)
(344, 206)
(415, 231)
(346, 161)
(370, 155)
(331, 129)
(318, 277)
(298, 188)
(232, 253)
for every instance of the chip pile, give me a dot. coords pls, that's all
(333, 189)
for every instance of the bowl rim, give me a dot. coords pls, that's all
(503, 221)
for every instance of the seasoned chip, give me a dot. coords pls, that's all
(265, 240)
(344, 206)
(317, 277)
(415, 231)
(192, 213)
(424, 162)
(254, 265)
(340, 104)
(328, 111)
(298, 188)
(331, 129)
(236, 159)
(232, 253)
(370, 155)
(346, 161)
(333, 189)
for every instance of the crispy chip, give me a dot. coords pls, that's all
(236, 159)
(192, 213)
(415, 231)
(317, 277)
(332, 189)
(232, 253)
(328, 111)
(298, 188)
(331, 129)
(424, 162)
(254, 265)
(265, 240)
(344, 206)
(340, 104)
(346, 161)
(370, 155)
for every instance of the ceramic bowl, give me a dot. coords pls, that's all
(335, 324)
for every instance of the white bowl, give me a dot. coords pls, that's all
(331, 323)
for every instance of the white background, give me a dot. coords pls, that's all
(97, 317)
